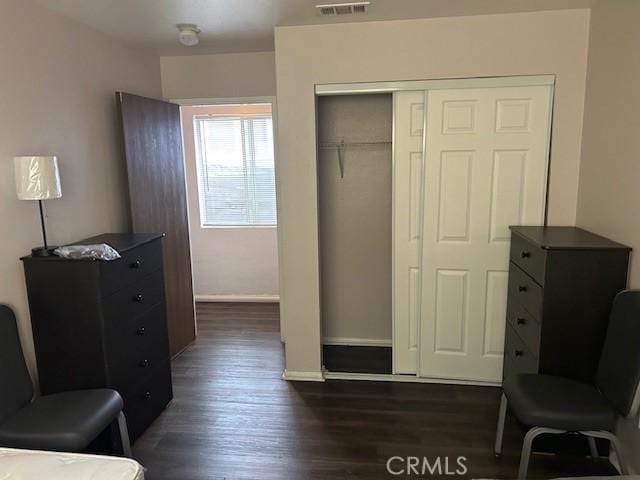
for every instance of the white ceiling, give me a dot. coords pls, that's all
(247, 25)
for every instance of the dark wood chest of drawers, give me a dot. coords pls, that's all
(103, 324)
(562, 281)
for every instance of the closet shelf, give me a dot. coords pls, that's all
(334, 145)
(342, 145)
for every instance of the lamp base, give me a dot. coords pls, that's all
(42, 251)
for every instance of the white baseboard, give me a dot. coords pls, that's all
(303, 376)
(239, 298)
(375, 377)
(357, 342)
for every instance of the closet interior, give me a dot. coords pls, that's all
(418, 183)
(355, 213)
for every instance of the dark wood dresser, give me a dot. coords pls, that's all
(562, 281)
(103, 324)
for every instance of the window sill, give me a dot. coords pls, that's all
(237, 227)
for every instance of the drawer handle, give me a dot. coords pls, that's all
(136, 264)
(144, 364)
(146, 395)
(522, 288)
(519, 353)
(525, 254)
(137, 298)
(521, 321)
(140, 331)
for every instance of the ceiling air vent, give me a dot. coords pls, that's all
(343, 8)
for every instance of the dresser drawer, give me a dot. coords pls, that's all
(531, 258)
(134, 265)
(144, 401)
(135, 299)
(524, 324)
(137, 346)
(517, 357)
(524, 290)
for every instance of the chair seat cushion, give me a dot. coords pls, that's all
(556, 402)
(65, 422)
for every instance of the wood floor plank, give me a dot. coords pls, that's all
(234, 418)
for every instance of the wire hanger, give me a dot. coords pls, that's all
(341, 158)
(341, 145)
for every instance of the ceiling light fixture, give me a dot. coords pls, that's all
(188, 34)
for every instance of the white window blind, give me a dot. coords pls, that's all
(236, 179)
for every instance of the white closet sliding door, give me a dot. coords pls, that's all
(408, 109)
(486, 168)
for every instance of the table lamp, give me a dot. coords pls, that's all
(38, 178)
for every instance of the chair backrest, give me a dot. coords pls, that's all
(16, 389)
(619, 368)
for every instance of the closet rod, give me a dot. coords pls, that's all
(332, 145)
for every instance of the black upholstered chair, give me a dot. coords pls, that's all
(66, 422)
(557, 405)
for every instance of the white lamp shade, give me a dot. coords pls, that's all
(37, 178)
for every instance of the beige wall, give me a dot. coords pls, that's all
(239, 261)
(354, 219)
(235, 261)
(57, 96)
(219, 76)
(514, 44)
(610, 169)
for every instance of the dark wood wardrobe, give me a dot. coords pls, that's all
(152, 141)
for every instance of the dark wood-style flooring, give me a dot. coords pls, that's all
(234, 418)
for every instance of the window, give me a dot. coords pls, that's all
(236, 179)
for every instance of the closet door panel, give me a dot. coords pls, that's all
(408, 177)
(485, 169)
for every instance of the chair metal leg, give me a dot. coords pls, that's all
(526, 448)
(502, 416)
(593, 448)
(124, 435)
(614, 442)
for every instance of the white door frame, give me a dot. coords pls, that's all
(272, 100)
(444, 83)
(364, 88)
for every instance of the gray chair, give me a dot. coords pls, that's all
(66, 422)
(556, 405)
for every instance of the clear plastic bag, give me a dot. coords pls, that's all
(100, 251)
